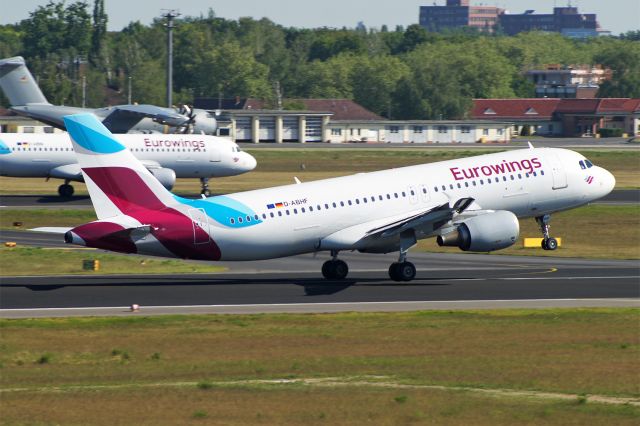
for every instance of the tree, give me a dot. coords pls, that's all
(96, 55)
(624, 60)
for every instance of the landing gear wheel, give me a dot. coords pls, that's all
(65, 190)
(206, 193)
(552, 244)
(204, 182)
(544, 244)
(402, 271)
(335, 270)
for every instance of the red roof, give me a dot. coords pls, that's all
(529, 109)
(545, 108)
(342, 109)
(619, 105)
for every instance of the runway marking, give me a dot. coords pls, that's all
(322, 304)
(332, 382)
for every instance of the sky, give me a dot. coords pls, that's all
(617, 16)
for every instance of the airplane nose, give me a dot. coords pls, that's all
(608, 181)
(249, 162)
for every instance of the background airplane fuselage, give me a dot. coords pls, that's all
(190, 156)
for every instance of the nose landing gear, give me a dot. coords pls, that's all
(205, 187)
(548, 243)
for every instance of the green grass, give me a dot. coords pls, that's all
(43, 261)
(104, 372)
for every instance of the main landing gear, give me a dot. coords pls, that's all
(548, 243)
(204, 181)
(335, 269)
(65, 190)
(402, 270)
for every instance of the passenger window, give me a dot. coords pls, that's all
(232, 221)
(264, 216)
(349, 202)
(295, 211)
(466, 184)
(341, 203)
(435, 189)
(279, 213)
(326, 206)
(239, 220)
(395, 194)
(302, 209)
(459, 186)
(248, 218)
(541, 172)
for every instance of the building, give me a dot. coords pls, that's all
(562, 117)
(419, 131)
(253, 120)
(565, 20)
(457, 14)
(341, 121)
(556, 81)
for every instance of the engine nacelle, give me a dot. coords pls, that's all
(167, 177)
(204, 122)
(487, 232)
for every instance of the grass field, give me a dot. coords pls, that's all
(279, 166)
(483, 367)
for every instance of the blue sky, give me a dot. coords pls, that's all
(614, 15)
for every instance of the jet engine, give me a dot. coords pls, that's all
(487, 232)
(167, 177)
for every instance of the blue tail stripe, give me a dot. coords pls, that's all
(90, 134)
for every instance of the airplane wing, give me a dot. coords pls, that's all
(385, 234)
(121, 118)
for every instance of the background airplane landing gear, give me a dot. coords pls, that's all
(205, 187)
(402, 271)
(65, 190)
(548, 243)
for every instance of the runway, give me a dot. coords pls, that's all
(81, 202)
(444, 281)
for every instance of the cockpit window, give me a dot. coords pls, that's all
(236, 149)
(585, 164)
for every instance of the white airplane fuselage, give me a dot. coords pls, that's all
(188, 155)
(321, 215)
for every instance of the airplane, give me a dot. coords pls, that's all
(27, 99)
(472, 203)
(167, 157)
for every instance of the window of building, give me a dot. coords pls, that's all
(418, 129)
(336, 132)
(394, 129)
(443, 129)
(465, 129)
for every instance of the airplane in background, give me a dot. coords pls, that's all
(472, 203)
(166, 157)
(27, 99)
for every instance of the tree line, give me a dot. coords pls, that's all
(403, 73)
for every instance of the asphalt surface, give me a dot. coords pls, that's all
(444, 281)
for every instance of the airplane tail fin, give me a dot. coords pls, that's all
(18, 84)
(117, 181)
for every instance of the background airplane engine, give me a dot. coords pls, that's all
(487, 232)
(204, 122)
(167, 177)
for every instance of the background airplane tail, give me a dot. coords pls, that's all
(117, 182)
(18, 84)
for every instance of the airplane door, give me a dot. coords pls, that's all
(200, 223)
(558, 172)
